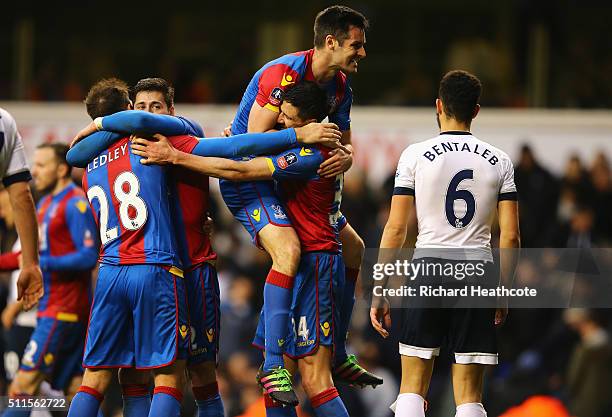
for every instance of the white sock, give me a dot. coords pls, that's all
(409, 405)
(471, 410)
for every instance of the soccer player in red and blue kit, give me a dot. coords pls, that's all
(312, 203)
(189, 215)
(68, 253)
(339, 41)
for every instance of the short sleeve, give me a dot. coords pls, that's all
(295, 164)
(184, 143)
(272, 82)
(507, 190)
(17, 169)
(405, 173)
(342, 115)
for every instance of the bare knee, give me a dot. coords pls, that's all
(468, 383)
(171, 376)
(97, 379)
(416, 375)
(283, 246)
(26, 382)
(202, 374)
(315, 371)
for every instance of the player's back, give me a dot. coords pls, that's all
(131, 205)
(312, 202)
(457, 181)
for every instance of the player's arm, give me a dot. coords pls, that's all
(262, 119)
(84, 151)
(341, 162)
(9, 261)
(138, 121)
(266, 107)
(82, 227)
(17, 176)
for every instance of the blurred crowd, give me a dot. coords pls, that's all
(550, 359)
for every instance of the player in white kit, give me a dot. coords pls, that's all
(15, 176)
(457, 184)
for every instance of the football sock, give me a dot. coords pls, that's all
(278, 291)
(136, 400)
(166, 402)
(328, 404)
(86, 403)
(409, 405)
(346, 311)
(274, 409)
(208, 400)
(471, 410)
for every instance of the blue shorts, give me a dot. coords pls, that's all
(204, 313)
(55, 342)
(138, 318)
(318, 286)
(254, 204)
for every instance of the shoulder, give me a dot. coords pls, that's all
(7, 122)
(196, 128)
(505, 159)
(293, 64)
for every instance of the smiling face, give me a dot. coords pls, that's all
(348, 54)
(289, 116)
(153, 102)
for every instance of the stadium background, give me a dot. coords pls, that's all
(546, 71)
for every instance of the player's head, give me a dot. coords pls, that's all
(340, 32)
(107, 96)
(154, 95)
(303, 103)
(458, 97)
(50, 166)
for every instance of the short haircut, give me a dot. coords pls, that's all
(155, 84)
(336, 21)
(310, 100)
(59, 150)
(460, 93)
(107, 96)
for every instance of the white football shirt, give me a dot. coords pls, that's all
(456, 180)
(13, 163)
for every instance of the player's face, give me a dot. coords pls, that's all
(45, 169)
(153, 102)
(352, 50)
(289, 116)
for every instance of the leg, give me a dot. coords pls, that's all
(87, 400)
(275, 409)
(284, 247)
(416, 376)
(317, 381)
(205, 389)
(346, 369)
(468, 383)
(168, 393)
(135, 391)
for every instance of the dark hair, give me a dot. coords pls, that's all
(155, 84)
(107, 96)
(336, 21)
(59, 150)
(460, 93)
(310, 100)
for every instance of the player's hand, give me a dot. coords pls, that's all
(319, 133)
(209, 225)
(10, 312)
(380, 316)
(338, 163)
(501, 314)
(159, 151)
(30, 286)
(227, 132)
(86, 131)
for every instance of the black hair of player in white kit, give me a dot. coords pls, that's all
(460, 93)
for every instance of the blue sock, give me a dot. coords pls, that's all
(346, 311)
(208, 400)
(166, 402)
(86, 403)
(278, 292)
(275, 410)
(100, 413)
(328, 404)
(136, 400)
